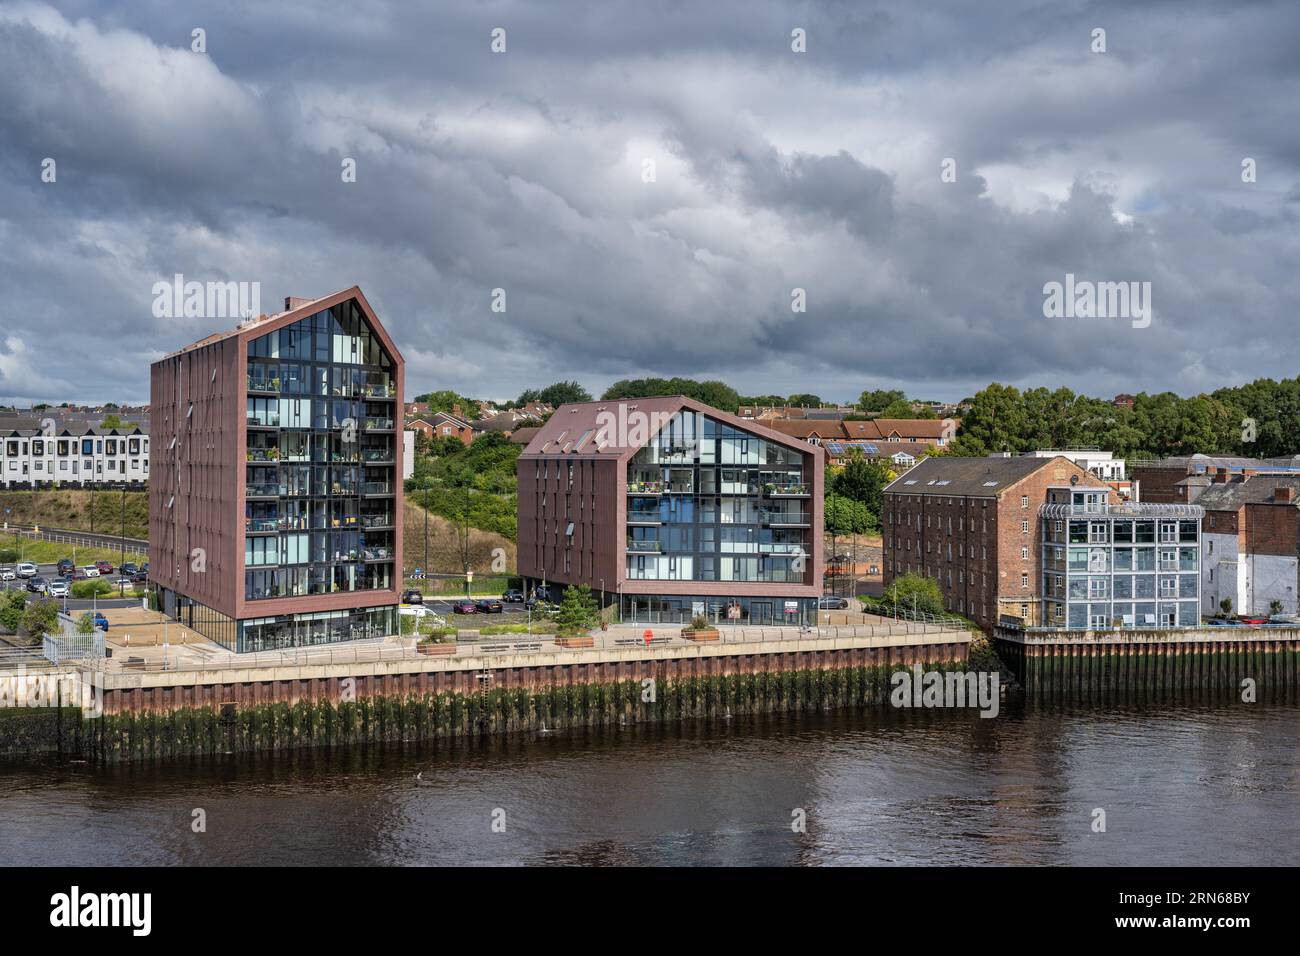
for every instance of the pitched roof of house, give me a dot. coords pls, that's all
(976, 477)
(1231, 495)
(578, 428)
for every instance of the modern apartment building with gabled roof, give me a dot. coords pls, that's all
(275, 497)
(671, 509)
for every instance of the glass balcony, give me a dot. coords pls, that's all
(377, 424)
(644, 547)
(268, 489)
(645, 487)
(263, 454)
(267, 419)
(784, 519)
(377, 521)
(376, 488)
(786, 490)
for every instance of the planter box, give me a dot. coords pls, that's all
(441, 650)
(587, 641)
(712, 634)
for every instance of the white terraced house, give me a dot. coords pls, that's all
(74, 456)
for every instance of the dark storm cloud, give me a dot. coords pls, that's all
(773, 171)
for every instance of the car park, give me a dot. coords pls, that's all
(513, 596)
(140, 577)
(488, 606)
(27, 570)
(129, 569)
(412, 596)
(105, 567)
(464, 607)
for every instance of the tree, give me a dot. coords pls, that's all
(878, 399)
(40, 618)
(1226, 607)
(913, 592)
(862, 480)
(718, 394)
(844, 516)
(578, 611)
(997, 421)
(902, 408)
(561, 393)
(11, 609)
(86, 623)
(111, 421)
(447, 401)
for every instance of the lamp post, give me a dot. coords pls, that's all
(121, 585)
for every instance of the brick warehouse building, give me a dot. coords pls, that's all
(275, 499)
(972, 524)
(1250, 543)
(672, 509)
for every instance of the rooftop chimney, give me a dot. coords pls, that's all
(1284, 494)
(292, 302)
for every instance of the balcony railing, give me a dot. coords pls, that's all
(377, 521)
(263, 454)
(263, 384)
(645, 487)
(790, 490)
(377, 455)
(377, 554)
(787, 518)
(264, 419)
(263, 490)
(644, 547)
(376, 488)
(377, 424)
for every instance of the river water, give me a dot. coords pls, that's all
(1213, 785)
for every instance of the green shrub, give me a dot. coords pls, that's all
(91, 587)
(8, 555)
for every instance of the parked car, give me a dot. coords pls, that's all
(141, 577)
(145, 567)
(488, 606)
(1292, 619)
(37, 585)
(58, 588)
(91, 571)
(1252, 619)
(27, 570)
(123, 581)
(129, 569)
(105, 567)
(513, 596)
(412, 596)
(1222, 622)
(65, 565)
(464, 607)
(7, 574)
(832, 602)
(101, 622)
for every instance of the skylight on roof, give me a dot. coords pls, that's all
(989, 484)
(909, 481)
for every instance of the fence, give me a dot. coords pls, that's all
(498, 644)
(73, 647)
(134, 547)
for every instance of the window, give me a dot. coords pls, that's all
(1024, 501)
(1024, 554)
(1024, 580)
(1024, 527)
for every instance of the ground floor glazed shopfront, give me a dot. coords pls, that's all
(716, 608)
(281, 632)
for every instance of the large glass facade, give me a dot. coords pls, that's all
(314, 629)
(682, 609)
(1116, 566)
(711, 502)
(321, 470)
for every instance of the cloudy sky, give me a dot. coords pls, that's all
(773, 170)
